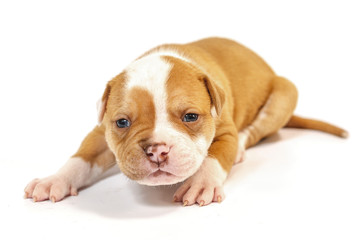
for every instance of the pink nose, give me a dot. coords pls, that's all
(157, 153)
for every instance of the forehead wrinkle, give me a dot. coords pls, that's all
(140, 102)
(193, 92)
(135, 100)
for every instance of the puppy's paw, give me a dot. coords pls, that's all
(201, 193)
(54, 188)
(204, 187)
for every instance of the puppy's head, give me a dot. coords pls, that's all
(159, 115)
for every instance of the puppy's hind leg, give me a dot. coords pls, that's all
(272, 116)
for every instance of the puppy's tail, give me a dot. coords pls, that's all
(299, 122)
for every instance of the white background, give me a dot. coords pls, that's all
(56, 57)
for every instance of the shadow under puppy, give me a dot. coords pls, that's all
(181, 113)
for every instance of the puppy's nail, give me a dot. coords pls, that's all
(26, 195)
(186, 202)
(35, 199)
(175, 199)
(73, 192)
(53, 199)
(202, 202)
(219, 199)
(344, 134)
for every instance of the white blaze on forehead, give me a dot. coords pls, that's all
(151, 73)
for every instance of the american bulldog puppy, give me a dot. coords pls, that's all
(181, 113)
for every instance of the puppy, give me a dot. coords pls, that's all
(181, 113)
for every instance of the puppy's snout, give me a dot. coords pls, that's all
(157, 153)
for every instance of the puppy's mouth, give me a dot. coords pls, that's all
(160, 177)
(161, 173)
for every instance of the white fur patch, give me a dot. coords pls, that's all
(150, 72)
(243, 137)
(79, 172)
(185, 156)
(100, 105)
(76, 173)
(213, 112)
(202, 144)
(211, 168)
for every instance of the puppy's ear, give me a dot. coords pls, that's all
(101, 104)
(217, 95)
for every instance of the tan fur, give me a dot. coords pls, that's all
(182, 100)
(129, 143)
(95, 149)
(299, 122)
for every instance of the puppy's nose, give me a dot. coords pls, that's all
(157, 153)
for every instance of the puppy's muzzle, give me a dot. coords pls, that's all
(158, 153)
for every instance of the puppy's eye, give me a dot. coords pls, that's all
(190, 117)
(123, 123)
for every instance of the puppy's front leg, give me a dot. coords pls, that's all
(206, 185)
(92, 162)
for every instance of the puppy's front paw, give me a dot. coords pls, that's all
(201, 193)
(204, 187)
(54, 188)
